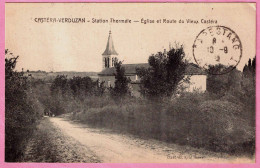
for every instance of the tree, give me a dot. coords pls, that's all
(100, 89)
(219, 84)
(20, 113)
(248, 88)
(249, 69)
(82, 86)
(165, 73)
(121, 87)
(60, 84)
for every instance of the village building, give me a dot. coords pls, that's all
(197, 76)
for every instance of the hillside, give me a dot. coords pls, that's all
(51, 75)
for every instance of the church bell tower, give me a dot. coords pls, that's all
(109, 56)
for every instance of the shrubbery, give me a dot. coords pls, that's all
(22, 110)
(212, 124)
(71, 95)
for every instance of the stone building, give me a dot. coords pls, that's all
(197, 76)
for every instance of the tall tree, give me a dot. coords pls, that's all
(165, 73)
(249, 69)
(121, 87)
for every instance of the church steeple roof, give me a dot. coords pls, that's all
(110, 49)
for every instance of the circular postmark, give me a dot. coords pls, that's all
(217, 46)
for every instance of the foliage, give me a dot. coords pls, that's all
(21, 110)
(236, 87)
(249, 89)
(165, 73)
(221, 83)
(60, 83)
(77, 86)
(213, 124)
(249, 69)
(66, 95)
(121, 88)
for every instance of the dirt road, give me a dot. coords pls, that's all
(49, 144)
(110, 147)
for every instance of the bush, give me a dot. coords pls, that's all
(179, 117)
(212, 124)
(223, 122)
(72, 95)
(136, 118)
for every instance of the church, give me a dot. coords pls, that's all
(198, 77)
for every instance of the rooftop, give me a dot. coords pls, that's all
(110, 49)
(130, 69)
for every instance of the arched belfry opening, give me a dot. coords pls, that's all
(110, 54)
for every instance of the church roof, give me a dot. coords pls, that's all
(110, 49)
(130, 69)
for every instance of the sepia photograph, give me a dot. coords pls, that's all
(130, 82)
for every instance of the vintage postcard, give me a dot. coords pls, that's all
(130, 82)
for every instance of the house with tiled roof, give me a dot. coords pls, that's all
(197, 76)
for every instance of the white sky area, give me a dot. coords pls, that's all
(79, 46)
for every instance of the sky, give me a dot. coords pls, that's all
(79, 46)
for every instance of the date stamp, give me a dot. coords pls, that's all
(217, 45)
